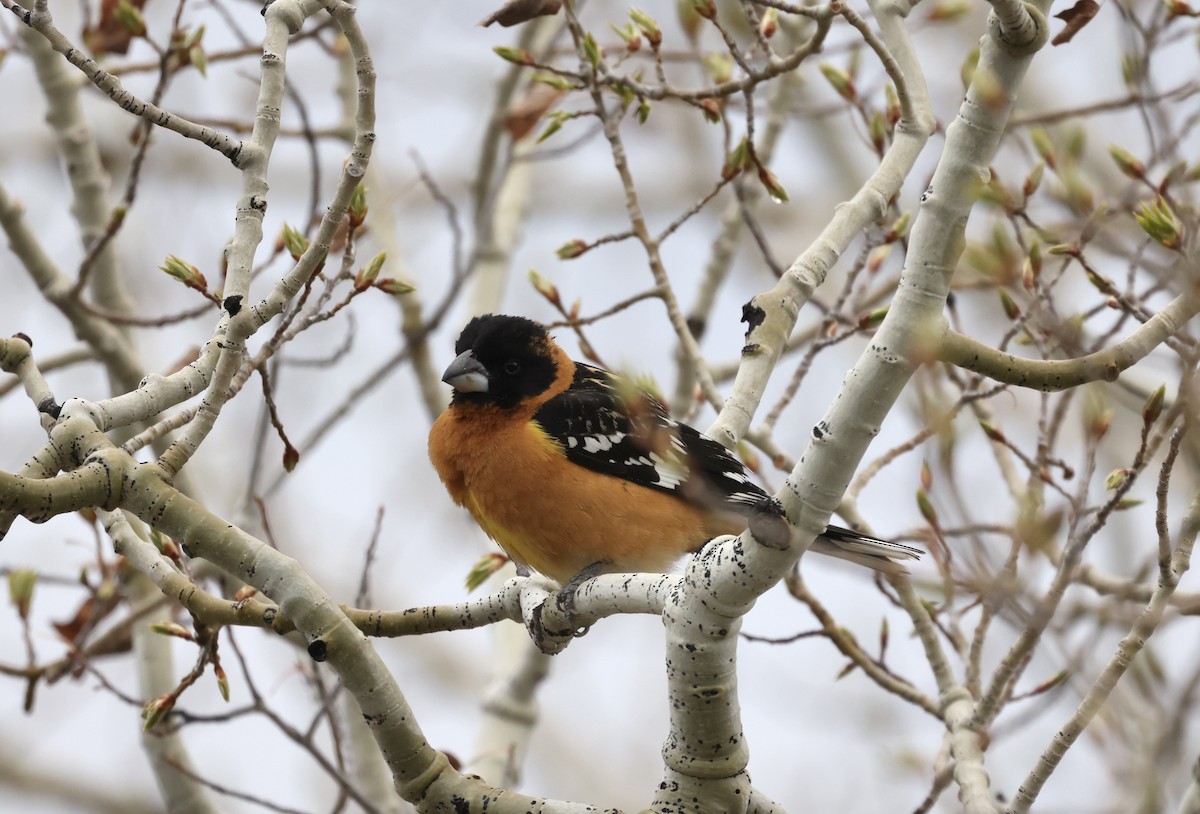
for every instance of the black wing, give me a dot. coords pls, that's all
(609, 425)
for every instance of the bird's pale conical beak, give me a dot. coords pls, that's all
(466, 374)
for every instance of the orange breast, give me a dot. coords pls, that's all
(553, 515)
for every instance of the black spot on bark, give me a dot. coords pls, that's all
(318, 650)
(753, 316)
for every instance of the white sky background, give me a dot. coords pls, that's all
(817, 744)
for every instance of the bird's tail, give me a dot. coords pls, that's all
(872, 552)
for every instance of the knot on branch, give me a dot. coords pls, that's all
(14, 351)
(288, 12)
(1019, 29)
(549, 615)
(111, 464)
(955, 695)
(551, 627)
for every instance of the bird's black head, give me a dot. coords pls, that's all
(501, 360)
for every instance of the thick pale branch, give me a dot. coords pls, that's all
(1020, 27)
(212, 610)
(1061, 374)
(16, 357)
(283, 19)
(95, 483)
(50, 363)
(772, 315)
(736, 216)
(109, 345)
(80, 150)
(914, 324)
(420, 771)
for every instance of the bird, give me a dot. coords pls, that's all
(576, 471)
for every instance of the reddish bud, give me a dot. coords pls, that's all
(367, 275)
(1154, 405)
(571, 249)
(772, 185)
(769, 24)
(291, 457)
(517, 56)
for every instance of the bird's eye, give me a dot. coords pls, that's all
(512, 367)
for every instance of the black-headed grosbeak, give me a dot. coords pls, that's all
(575, 471)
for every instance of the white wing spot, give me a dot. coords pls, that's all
(670, 472)
(601, 443)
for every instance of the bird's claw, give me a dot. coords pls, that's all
(566, 596)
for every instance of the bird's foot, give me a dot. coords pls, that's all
(566, 596)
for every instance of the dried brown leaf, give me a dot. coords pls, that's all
(520, 11)
(1076, 17)
(109, 36)
(526, 112)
